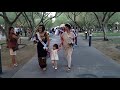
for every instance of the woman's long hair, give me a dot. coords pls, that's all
(9, 30)
(43, 28)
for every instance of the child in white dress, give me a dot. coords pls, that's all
(54, 55)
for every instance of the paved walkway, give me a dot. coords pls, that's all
(87, 62)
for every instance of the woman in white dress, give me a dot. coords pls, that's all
(54, 56)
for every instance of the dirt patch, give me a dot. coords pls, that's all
(22, 57)
(108, 48)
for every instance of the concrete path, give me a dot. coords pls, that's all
(87, 62)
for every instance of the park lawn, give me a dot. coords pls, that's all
(100, 34)
(115, 41)
(108, 34)
(23, 55)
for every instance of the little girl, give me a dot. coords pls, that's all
(54, 55)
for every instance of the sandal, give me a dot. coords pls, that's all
(55, 68)
(15, 65)
(44, 69)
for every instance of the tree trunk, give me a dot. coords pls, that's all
(7, 25)
(3, 31)
(104, 28)
(31, 28)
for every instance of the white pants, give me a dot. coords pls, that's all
(68, 54)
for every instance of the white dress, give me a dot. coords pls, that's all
(54, 54)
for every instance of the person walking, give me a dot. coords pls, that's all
(76, 35)
(67, 41)
(54, 56)
(43, 42)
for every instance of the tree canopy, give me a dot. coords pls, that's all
(83, 20)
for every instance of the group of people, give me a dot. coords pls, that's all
(41, 38)
(43, 46)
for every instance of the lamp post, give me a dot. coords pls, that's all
(86, 34)
(90, 38)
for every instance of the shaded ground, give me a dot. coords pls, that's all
(87, 62)
(110, 48)
(23, 55)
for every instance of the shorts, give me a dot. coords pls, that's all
(11, 52)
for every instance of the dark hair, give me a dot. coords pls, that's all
(68, 25)
(10, 28)
(43, 27)
(56, 46)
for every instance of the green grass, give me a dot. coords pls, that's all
(100, 34)
(115, 41)
(108, 34)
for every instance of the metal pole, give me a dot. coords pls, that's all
(0, 61)
(86, 35)
(90, 38)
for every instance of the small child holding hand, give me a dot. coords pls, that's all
(54, 55)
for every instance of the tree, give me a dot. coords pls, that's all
(8, 22)
(49, 24)
(45, 19)
(73, 17)
(35, 18)
(89, 20)
(86, 20)
(60, 20)
(103, 19)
